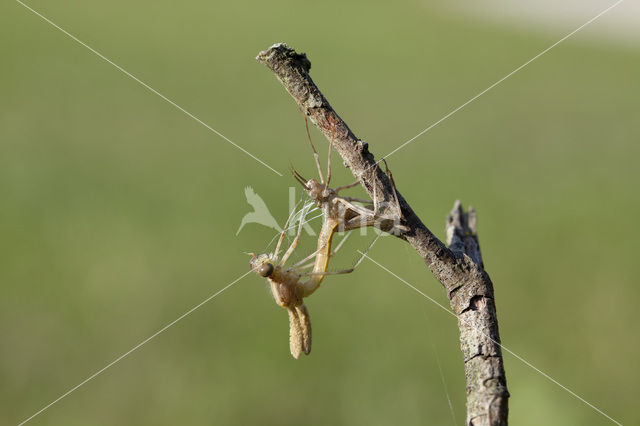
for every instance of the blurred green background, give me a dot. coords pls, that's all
(119, 213)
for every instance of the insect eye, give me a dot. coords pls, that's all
(265, 270)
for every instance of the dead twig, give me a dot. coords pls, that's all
(458, 267)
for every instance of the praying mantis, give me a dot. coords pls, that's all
(289, 286)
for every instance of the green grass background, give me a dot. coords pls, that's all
(118, 213)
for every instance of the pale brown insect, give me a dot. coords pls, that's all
(286, 284)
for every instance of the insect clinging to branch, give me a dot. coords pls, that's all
(343, 208)
(339, 214)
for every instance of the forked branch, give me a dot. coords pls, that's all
(458, 267)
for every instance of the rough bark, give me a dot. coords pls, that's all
(458, 267)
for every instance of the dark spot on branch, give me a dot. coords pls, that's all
(476, 302)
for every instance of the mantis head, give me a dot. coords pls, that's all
(317, 191)
(263, 265)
